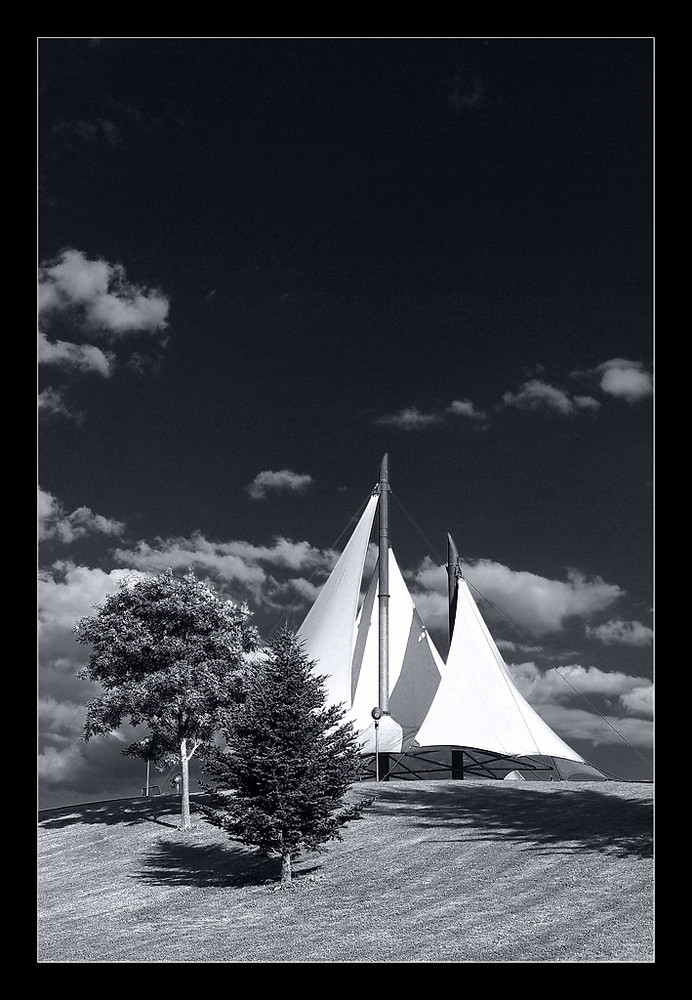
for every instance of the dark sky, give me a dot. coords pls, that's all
(292, 255)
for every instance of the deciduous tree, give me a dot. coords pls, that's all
(169, 653)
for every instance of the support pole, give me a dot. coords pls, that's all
(377, 750)
(453, 574)
(384, 586)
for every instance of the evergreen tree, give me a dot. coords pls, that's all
(169, 654)
(279, 783)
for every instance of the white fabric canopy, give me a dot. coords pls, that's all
(477, 704)
(328, 629)
(415, 666)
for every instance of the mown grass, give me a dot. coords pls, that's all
(439, 871)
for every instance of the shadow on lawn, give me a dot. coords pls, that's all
(561, 820)
(163, 810)
(214, 866)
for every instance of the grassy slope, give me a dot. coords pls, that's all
(440, 871)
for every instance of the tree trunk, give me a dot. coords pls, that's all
(185, 823)
(285, 868)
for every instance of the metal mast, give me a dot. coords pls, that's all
(453, 574)
(384, 585)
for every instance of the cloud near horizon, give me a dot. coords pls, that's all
(54, 524)
(282, 481)
(633, 694)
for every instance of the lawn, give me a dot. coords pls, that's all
(435, 871)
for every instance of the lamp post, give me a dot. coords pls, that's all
(377, 714)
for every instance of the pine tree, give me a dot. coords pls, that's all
(279, 783)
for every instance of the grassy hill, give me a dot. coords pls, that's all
(435, 871)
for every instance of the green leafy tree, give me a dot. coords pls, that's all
(169, 653)
(279, 782)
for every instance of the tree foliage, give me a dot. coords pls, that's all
(279, 783)
(168, 653)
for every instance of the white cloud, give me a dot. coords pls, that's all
(556, 693)
(586, 403)
(249, 569)
(52, 403)
(627, 633)
(81, 357)
(537, 395)
(627, 380)
(532, 602)
(99, 292)
(509, 646)
(582, 724)
(59, 766)
(409, 419)
(55, 524)
(99, 302)
(465, 408)
(61, 718)
(640, 701)
(562, 683)
(282, 481)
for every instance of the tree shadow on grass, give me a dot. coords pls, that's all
(209, 866)
(163, 810)
(568, 820)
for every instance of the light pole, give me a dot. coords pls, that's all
(377, 714)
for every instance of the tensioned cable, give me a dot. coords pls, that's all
(527, 641)
(287, 612)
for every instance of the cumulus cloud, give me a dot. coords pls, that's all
(628, 380)
(561, 683)
(533, 602)
(465, 408)
(74, 772)
(251, 570)
(52, 403)
(81, 357)
(60, 718)
(582, 724)
(283, 481)
(556, 693)
(640, 701)
(538, 604)
(68, 591)
(409, 419)
(100, 296)
(54, 524)
(98, 302)
(627, 633)
(537, 395)
(58, 766)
